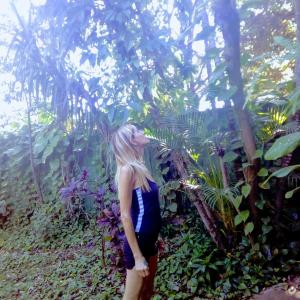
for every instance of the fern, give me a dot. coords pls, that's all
(187, 131)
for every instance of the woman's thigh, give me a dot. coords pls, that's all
(148, 247)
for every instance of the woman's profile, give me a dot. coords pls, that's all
(140, 211)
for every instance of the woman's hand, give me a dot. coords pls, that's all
(141, 266)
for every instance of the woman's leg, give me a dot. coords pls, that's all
(133, 285)
(147, 290)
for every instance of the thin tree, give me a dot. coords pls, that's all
(228, 19)
(297, 69)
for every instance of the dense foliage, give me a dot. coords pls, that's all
(216, 89)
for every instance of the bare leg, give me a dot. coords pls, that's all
(133, 285)
(148, 282)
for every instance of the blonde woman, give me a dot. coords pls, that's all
(140, 212)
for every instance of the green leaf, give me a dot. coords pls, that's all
(249, 228)
(204, 34)
(236, 145)
(283, 146)
(48, 151)
(172, 195)
(173, 207)
(285, 43)
(230, 156)
(266, 229)
(54, 164)
(173, 286)
(244, 215)
(237, 201)
(212, 53)
(258, 154)
(192, 284)
(266, 220)
(280, 173)
(241, 217)
(40, 146)
(239, 183)
(290, 194)
(54, 141)
(246, 165)
(264, 185)
(165, 171)
(227, 94)
(242, 286)
(263, 172)
(260, 203)
(256, 247)
(246, 190)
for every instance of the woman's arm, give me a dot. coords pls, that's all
(125, 196)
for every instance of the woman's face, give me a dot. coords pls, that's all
(138, 138)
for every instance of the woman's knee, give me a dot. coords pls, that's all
(131, 295)
(133, 285)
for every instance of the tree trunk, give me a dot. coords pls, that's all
(227, 18)
(208, 46)
(285, 162)
(195, 195)
(34, 175)
(296, 116)
(224, 172)
(297, 19)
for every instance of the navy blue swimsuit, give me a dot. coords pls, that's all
(145, 210)
(146, 219)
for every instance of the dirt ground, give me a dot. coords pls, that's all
(283, 291)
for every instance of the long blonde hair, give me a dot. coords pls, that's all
(127, 154)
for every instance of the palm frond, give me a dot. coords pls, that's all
(183, 131)
(274, 121)
(213, 195)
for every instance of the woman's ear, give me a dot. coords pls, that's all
(132, 140)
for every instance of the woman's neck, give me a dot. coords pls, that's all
(140, 150)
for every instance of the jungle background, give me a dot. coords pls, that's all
(215, 85)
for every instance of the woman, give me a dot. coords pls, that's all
(140, 212)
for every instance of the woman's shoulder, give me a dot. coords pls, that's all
(127, 174)
(127, 170)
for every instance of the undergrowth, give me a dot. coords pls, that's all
(50, 258)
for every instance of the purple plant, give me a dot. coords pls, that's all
(90, 244)
(112, 187)
(75, 194)
(84, 175)
(109, 221)
(75, 187)
(99, 196)
(73, 197)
